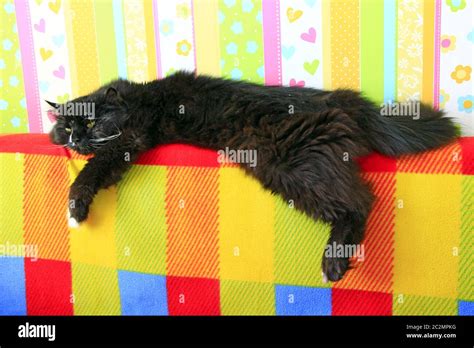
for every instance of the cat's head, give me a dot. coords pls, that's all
(87, 123)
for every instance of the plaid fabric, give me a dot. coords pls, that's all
(181, 235)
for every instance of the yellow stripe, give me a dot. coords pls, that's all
(246, 243)
(206, 32)
(85, 47)
(345, 44)
(94, 241)
(150, 40)
(68, 18)
(435, 216)
(326, 44)
(410, 50)
(11, 202)
(428, 52)
(135, 35)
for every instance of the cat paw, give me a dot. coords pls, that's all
(71, 222)
(78, 210)
(334, 268)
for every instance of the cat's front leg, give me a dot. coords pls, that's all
(80, 198)
(102, 171)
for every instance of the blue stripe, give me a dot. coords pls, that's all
(142, 294)
(390, 53)
(120, 39)
(302, 300)
(12, 286)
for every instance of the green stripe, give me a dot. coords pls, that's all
(246, 298)
(95, 290)
(140, 229)
(241, 40)
(104, 23)
(299, 245)
(13, 116)
(466, 250)
(423, 305)
(372, 49)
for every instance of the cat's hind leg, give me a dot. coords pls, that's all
(347, 233)
(310, 160)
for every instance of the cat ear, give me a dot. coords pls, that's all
(112, 96)
(52, 116)
(54, 105)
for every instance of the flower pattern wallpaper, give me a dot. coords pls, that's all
(457, 46)
(389, 49)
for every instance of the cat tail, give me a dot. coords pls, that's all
(398, 135)
(424, 129)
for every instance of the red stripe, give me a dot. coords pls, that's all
(48, 287)
(356, 302)
(30, 144)
(193, 296)
(467, 150)
(375, 162)
(180, 155)
(187, 155)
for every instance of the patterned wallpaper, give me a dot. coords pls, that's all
(390, 49)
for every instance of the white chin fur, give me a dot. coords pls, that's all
(325, 278)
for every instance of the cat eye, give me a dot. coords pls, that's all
(90, 124)
(68, 130)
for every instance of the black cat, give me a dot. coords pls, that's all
(306, 141)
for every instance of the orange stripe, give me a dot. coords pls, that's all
(375, 273)
(383, 231)
(439, 161)
(46, 184)
(380, 222)
(192, 237)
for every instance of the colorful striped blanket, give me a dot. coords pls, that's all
(182, 235)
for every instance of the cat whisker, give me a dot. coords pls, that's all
(52, 146)
(110, 137)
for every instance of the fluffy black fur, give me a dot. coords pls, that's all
(303, 138)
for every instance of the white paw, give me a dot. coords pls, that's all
(72, 223)
(325, 277)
